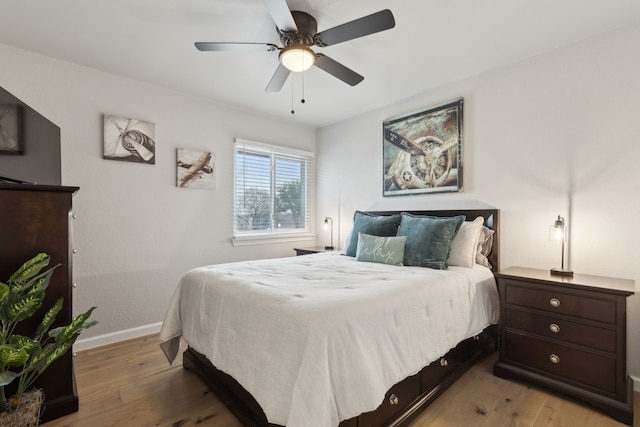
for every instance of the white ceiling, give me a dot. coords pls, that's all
(433, 42)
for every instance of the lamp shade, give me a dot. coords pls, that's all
(297, 58)
(558, 231)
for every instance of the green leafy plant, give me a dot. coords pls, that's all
(25, 358)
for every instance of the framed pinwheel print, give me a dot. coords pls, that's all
(130, 140)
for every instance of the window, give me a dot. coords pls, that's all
(272, 190)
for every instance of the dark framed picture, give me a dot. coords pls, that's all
(11, 129)
(422, 152)
(129, 140)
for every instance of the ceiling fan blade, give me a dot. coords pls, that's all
(364, 26)
(338, 70)
(278, 79)
(235, 47)
(281, 15)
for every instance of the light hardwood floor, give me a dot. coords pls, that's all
(131, 384)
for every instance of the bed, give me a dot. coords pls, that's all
(327, 340)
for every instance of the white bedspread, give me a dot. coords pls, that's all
(317, 339)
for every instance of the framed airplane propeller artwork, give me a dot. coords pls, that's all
(422, 152)
(130, 140)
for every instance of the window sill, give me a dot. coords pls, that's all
(262, 239)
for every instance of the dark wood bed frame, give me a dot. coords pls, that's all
(405, 400)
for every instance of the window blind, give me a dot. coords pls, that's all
(272, 189)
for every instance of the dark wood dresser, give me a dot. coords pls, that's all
(34, 219)
(568, 334)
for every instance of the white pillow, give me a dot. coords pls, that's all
(465, 242)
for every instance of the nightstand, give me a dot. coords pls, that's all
(313, 250)
(567, 334)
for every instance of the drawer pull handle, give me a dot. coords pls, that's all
(393, 399)
(444, 362)
(554, 359)
(555, 302)
(554, 328)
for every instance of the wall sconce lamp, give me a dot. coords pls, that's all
(558, 232)
(327, 221)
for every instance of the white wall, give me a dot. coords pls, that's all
(557, 134)
(136, 233)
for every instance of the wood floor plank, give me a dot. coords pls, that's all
(132, 384)
(521, 402)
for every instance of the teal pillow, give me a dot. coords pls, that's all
(428, 239)
(384, 250)
(376, 225)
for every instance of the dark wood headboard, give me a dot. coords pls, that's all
(491, 220)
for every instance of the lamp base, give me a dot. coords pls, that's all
(329, 248)
(561, 272)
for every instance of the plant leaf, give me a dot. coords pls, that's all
(30, 268)
(6, 377)
(25, 343)
(4, 291)
(63, 334)
(12, 357)
(38, 283)
(23, 308)
(58, 351)
(4, 299)
(49, 318)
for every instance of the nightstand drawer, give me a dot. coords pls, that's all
(550, 299)
(560, 329)
(584, 367)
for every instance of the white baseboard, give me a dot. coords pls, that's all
(114, 337)
(636, 383)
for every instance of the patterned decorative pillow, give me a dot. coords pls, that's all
(428, 239)
(485, 243)
(376, 225)
(384, 250)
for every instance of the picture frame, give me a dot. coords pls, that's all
(11, 141)
(422, 151)
(130, 140)
(195, 169)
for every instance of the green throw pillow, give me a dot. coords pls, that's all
(376, 225)
(384, 250)
(428, 239)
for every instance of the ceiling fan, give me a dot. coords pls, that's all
(298, 32)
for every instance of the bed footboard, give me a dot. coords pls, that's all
(402, 403)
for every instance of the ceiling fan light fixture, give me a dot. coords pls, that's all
(297, 58)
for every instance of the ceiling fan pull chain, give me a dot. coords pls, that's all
(292, 110)
(302, 100)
